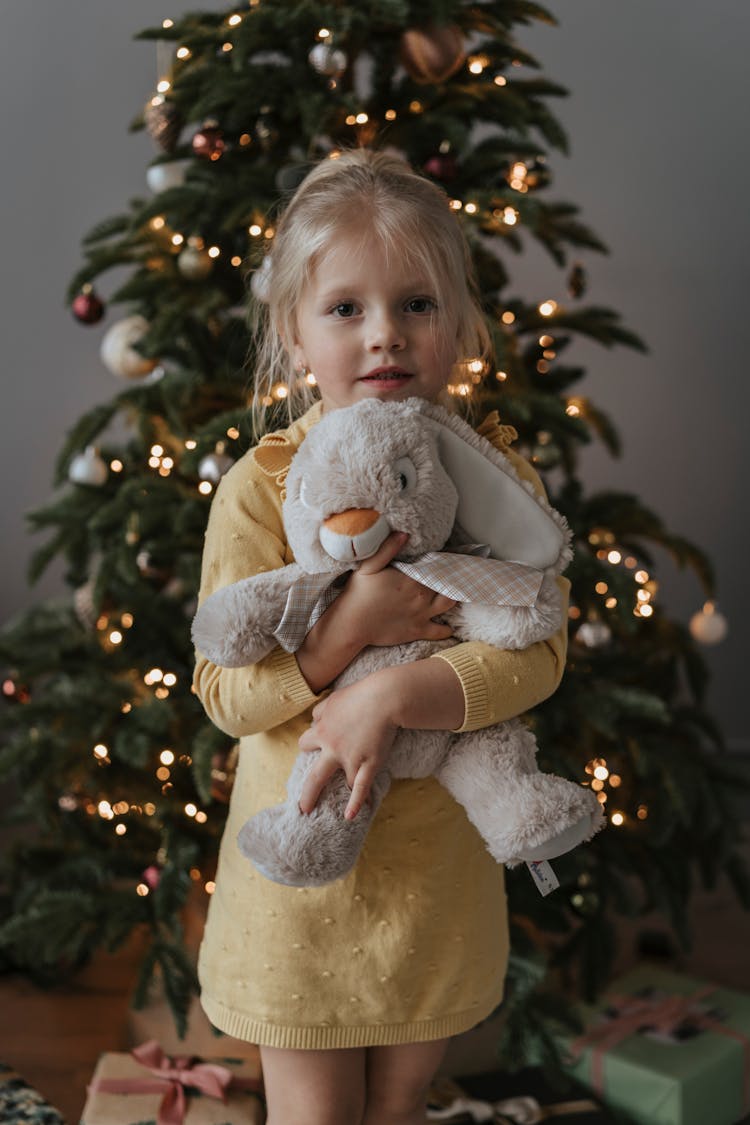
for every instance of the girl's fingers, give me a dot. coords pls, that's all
(315, 783)
(385, 553)
(441, 604)
(360, 791)
(437, 632)
(309, 740)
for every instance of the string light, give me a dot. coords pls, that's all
(477, 63)
(166, 757)
(617, 819)
(508, 317)
(324, 33)
(190, 809)
(163, 85)
(236, 260)
(226, 47)
(157, 222)
(115, 637)
(245, 140)
(500, 80)
(255, 230)
(167, 23)
(177, 239)
(210, 887)
(509, 216)
(233, 433)
(120, 829)
(390, 115)
(415, 106)
(190, 444)
(615, 780)
(100, 751)
(116, 466)
(455, 204)
(471, 208)
(142, 890)
(642, 812)
(280, 391)
(105, 810)
(547, 308)
(574, 408)
(234, 20)
(205, 487)
(183, 52)
(501, 376)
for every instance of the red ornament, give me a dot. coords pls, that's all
(87, 308)
(208, 142)
(151, 876)
(442, 167)
(432, 54)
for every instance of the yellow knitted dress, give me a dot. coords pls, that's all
(413, 944)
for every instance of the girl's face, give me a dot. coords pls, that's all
(367, 327)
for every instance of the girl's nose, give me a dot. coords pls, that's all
(385, 334)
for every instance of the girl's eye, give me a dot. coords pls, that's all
(405, 474)
(421, 305)
(344, 309)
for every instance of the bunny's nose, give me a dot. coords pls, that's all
(354, 534)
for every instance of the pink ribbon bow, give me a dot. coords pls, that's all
(170, 1077)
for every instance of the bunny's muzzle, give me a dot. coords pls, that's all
(354, 535)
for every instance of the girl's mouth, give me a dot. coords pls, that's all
(387, 375)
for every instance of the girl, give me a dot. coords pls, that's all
(352, 990)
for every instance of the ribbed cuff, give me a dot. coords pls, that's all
(291, 681)
(473, 684)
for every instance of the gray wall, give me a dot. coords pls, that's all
(659, 167)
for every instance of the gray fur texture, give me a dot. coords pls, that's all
(386, 457)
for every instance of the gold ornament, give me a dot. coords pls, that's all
(432, 53)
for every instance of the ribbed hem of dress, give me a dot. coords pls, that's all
(473, 684)
(317, 1037)
(291, 681)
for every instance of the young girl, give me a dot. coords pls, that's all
(352, 990)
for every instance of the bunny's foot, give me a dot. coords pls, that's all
(309, 850)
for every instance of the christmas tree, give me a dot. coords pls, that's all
(122, 781)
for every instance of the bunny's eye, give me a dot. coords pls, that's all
(405, 474)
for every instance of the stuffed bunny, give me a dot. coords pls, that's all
(410, 466)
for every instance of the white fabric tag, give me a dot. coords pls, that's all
(543, 876)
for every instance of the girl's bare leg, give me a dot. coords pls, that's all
(314, 1087)
(397, 1082)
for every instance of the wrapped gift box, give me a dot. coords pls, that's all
(667, 1050)
(126, 1090)
(521, 1098)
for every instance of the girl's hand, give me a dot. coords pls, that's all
(385, 607)
(354, 731)
(378, 606)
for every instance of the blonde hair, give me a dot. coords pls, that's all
(412, 218)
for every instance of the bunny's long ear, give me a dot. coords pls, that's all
(495, 506)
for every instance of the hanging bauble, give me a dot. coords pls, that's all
(223, 771)
(208, 142)
(151, 876)
(163, 123)
(214, 465)
(83, 603)
(327, 60)
(87, 307)
(117, 350)
(147, 568)
(577, 281)
(194, 263)
(432, 54)
(88, 468)
(171, 174)
(260, 282)
(546, 454)
(594, 634)
(442, 166)
(265, 128)
(708, 626)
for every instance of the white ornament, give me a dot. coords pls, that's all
(161, 177)
(194, 264)
(708, 626)
(213, 466)
(117, 351)
(327, 60)
(260, 282)
(88, 468)
(594, 634)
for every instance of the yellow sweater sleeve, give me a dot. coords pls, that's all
(499, 684)
(245, 536)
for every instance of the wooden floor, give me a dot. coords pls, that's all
(54, 1038)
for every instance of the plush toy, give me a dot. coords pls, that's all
(360, 473)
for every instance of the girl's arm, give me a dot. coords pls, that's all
(245, 536)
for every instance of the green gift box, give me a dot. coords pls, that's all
(667, 1050)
